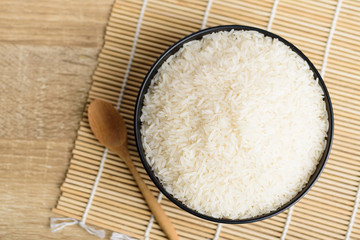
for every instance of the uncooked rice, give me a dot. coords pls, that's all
(234, 124)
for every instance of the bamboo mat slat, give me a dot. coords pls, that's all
(134, 41)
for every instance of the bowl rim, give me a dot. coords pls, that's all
(138, 110)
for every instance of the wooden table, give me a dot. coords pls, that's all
(48, 51)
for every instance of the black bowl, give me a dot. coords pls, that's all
(145, 85)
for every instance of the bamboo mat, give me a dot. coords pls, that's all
(328, 32)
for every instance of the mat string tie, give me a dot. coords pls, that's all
(57, 224)
(120, 236)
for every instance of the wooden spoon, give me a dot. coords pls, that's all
(109, 128)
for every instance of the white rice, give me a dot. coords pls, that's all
(234, 124)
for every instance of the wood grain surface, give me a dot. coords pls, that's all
(48, 52)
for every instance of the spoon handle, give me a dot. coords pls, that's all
(156, 209)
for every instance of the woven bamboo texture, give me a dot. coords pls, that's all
(138, 32)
